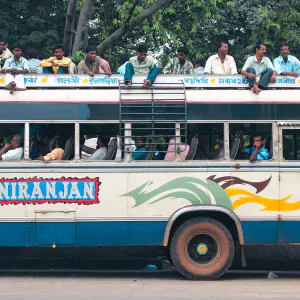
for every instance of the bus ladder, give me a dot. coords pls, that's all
(152, 113)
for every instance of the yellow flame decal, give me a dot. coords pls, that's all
(2, 80)
(45, 79)
(269, 204)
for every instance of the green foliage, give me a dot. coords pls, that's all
(79, 56)
(198, 24)
(34, 24)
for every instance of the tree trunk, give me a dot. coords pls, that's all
(82, 26)
(69, 26)
(119, 33)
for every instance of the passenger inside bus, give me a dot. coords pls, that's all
(140, 151)
(16, 153)
(101, 148)
(57, 151)
(249, 140)
(257, 151)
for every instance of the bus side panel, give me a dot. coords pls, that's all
(289, 228)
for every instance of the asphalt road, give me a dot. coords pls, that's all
(144, 286)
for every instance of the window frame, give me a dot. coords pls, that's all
(26, 141)
(289, 126)
(274, 134)
(225, 137)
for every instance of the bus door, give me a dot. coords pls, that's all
(254, 185)
(289, 183)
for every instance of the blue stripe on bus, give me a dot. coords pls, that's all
(36, 234)
(260, 232)
(139, 233)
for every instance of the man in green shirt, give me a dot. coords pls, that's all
(141, 64)
(259, 65)
(90, 65)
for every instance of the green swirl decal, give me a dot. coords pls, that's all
(192, 189)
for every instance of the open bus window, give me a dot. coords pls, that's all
(100, 142)
(251, 138)
(11, 142)
(210, 139)
(51, 142)
(291, 144)
(156, 141)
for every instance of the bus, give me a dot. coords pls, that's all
(192, 192)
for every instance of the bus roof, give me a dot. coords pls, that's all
(101, 89)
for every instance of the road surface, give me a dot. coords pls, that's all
(144, 286)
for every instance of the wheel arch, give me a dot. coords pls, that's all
(193, 211)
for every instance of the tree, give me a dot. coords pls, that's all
(69, 25)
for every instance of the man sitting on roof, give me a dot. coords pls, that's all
(15, 68)
(258, 151)
(57, 150)
(58, 64)
(259, 65)
(286, 64)
(221, 63)
(124, 61)
(91, 64)
(141, 64)
(17, 144)
(199, 67)
(179, 64)
(4, 53)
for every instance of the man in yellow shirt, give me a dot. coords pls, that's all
(57, 64)
(4, 53)
(56, 153)
(141, 64)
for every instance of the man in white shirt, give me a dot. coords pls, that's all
(102, 145)
(259, 65)
(15, 68)
(16, 153)
(221, 63)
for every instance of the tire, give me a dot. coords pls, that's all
(202, 249)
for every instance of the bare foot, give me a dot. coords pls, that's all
(258, 90)
(255, 89)
(11, 91)
(129, 85)
(146, 84)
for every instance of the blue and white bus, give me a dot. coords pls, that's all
(205, 205)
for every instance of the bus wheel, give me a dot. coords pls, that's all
(202, 248)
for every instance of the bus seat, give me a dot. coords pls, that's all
(151, 149)
(269, 146)
(193, 148)
(33, 148)
(52, 142)
(69, 149)
(171, 152)
(111, 150)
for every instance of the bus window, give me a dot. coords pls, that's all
(100, 142)
(155, 141)
(245, 138)
(291, 144)
(51, 141)
(11, 142)
(210, 140)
